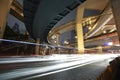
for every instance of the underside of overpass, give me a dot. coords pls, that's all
(41, 16)
(43, 20)
(92, 14)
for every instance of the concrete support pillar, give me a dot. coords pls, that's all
(37, 46)
(99, 49)
(79, 29)
(115, 4)
(4, 11)
(57, 39)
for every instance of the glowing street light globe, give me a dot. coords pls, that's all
(110, 43)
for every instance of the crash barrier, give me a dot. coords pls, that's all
(112, 72)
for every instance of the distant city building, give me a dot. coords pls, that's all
(16, 24)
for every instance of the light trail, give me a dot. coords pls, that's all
(21, 42)
(52, 69)
(30, 43)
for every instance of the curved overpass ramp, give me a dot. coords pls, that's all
(42, 15)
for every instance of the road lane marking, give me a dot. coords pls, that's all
(61, 70)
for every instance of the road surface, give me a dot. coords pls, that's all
(54, 67)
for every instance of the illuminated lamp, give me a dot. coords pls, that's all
(110, 43)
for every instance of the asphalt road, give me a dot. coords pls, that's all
(87, 72)
(54, 67)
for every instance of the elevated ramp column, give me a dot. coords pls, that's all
(57, 39)
(4, 11)
(79, 29)
(37, 46)
(115, 4)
